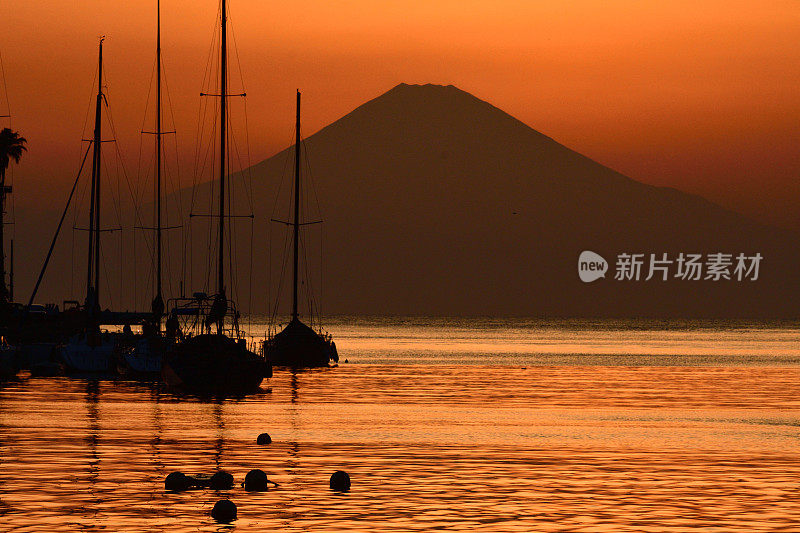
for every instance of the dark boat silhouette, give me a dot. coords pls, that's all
(91, 350)
(214, 364)
(142, 355)
(298, 345)
(203, 362)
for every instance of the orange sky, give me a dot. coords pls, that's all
(702, 96)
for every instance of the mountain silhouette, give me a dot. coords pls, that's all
(435, 202)
(438, 203)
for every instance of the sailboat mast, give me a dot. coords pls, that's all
(93, 269)
(158, 154)
(296, 205)
(223, 127)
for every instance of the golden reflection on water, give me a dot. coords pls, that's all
(464, 448)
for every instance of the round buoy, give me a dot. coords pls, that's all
(177, 481)
(340, 481)
(264, 438)
(224, 511)
(221, 480)
(256, 480)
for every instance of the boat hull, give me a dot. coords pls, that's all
(144, 357)
(214, 365)
(78, 356)
(299, 346)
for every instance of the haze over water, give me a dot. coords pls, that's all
(443, 424)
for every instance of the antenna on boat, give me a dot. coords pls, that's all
(296, 206)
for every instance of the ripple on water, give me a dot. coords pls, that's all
(428, 447)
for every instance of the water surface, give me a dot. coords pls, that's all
(442, 425)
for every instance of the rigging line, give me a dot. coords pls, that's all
(321, 260)
(58, 229)
(141, 129)
(309, 289)
(269, 275)
(122, 267)
(283, 174)
(246, 128)
(309, 282)
(90, 107)
(274, 306)
(114, 205)
(71, 266)
(231, 230)
(135, 277)
(232, 30)
(202, 113)
(285, 256)
(250, 282)
(244, 176)
(284, 262)
(210, 154)
(107, 277)
(170, 181)
(176, 182)
(5, 89)
(137, 214)
(310, 178)
(249, 161)
(139, 177)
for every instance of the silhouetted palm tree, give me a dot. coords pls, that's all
(11, 147)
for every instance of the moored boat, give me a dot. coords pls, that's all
(214, 364)
(298, 345)
(204, 362)
(90, 353)
(142, 355)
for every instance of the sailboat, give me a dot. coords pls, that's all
(298, 345)
(215, 363)
(143, 354)
(92, 350)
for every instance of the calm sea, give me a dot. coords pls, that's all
(442, 424)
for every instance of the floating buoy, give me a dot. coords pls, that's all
(201, 481)
(340, 481)
(221, 480)
(256, 480)
(224, 511)
(264, 438)
(176, 482)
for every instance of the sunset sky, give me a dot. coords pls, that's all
(702, 96)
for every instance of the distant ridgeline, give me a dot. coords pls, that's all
(437, 203)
